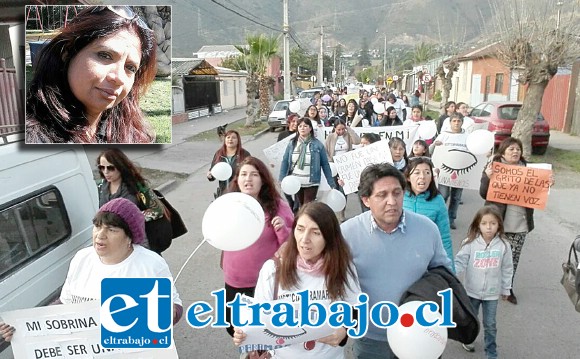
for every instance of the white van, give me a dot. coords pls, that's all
(48, 198)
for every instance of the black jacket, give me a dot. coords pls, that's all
(440, 278)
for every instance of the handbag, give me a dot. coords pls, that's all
(570, 279)
(177, 224)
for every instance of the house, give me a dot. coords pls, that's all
(232, 88)
(11, 77)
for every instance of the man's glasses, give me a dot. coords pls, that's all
(125, 12)
(109, 168)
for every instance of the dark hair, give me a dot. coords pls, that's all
(375, 172)
(54, 114)
(307, 121)
(503, 146)
(371, 137)
(474, 230)
(317, 117)
(130, 174)
(447, 105)
(336, 254)
(113, 220)
(339, 121)
(413, 163)
(417, 106)
(422, 143)
(223, 151)
(428, 118)
(355, 107)
(399, 141)
(268, 195)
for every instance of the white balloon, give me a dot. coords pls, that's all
(290, 185)
(294, 106)
(480, 141)
(374, 100)
(333, 169)
(221, 171)
(416, 341)
(335, 200)
(365, 123)
(244, 219)
(379, 107)
(427, 129)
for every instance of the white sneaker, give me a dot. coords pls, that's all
(468, 347)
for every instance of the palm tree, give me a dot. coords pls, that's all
(256, 56)
(423, 53)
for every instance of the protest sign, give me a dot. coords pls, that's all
(352, 163)
(67, 331)
(269, 337)
(275, 153)
(518, 185)
(458, 167)
(409, 134)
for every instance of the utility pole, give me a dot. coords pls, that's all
(287, 86)
(321, 57)
(385, 62)
(559, 5)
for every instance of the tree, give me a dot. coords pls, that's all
(533, 40)
(256, 56)
(364, 58)
(445, 72)
(422, 53)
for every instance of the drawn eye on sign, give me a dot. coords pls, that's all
(458, 162)
(281, 338)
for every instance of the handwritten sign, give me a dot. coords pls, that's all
(275, 153)
(67, 331)
(269, 337)
(409, 134)
(522, 186)
(352, 163)
(458, 168)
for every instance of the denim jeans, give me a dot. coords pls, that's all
(489, 308)
(365, 348)
(455, 194)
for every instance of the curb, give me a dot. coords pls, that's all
(167, 186)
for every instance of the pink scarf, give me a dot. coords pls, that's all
(312, 269)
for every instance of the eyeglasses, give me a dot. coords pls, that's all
(109, 168)
(125, 12)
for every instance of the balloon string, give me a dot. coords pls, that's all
(187, 261)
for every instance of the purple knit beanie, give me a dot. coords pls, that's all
(130, 214)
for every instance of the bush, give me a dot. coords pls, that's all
(437, 96)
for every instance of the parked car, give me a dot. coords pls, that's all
(279, 115)
(501, 116)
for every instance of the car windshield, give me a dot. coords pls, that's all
(281, 106)
(508, 112)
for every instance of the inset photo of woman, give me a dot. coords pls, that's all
(98, 74)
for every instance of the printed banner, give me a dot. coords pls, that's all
(458, 168)
(269, 337)
(518, 185)
(67, 331)
(352, 163)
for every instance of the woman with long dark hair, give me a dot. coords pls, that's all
(89, 79)
(241, 268)
(316, 258)
(391, 118)
(231, 152)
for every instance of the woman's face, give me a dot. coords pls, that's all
(393, 114)
(455, 124)
(420, 178)
(463, 109)
(451, 108)
(304, 130)
(342, 102)
(340, 129)
(416, 114)
(351, 108)
(309, 239)
(419, 149)
(231, 141)
(312, 111)
(322, 112)
(249, 180)
(512, 154)
(111, 243)
(397, 152)
(319, 102)
(292, 125)
(102, 74)
(364, 141)
(111, 173)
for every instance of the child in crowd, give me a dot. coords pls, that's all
(420, 149)
(485, 259)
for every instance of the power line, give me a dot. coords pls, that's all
(243, 10)
(245, 17)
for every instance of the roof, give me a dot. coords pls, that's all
(216, 51)
(485, 51)
(190, 66)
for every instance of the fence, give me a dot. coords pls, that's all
(11, 106)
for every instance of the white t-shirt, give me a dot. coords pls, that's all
(83, 280)
(455, 140)
(317, 289)
(341, 146)
(399, 105)
(466, 126)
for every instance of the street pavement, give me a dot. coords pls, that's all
(543, 324)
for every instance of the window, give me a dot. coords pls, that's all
(486, 112)
(30, 226)
(498, 83)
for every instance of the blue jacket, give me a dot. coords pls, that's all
(318, 160)
(436, 211)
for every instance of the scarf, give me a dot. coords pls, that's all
(400, 164)
(312, 269)
(302, 157)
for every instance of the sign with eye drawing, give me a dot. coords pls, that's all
(269, 336)
(458, 168)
